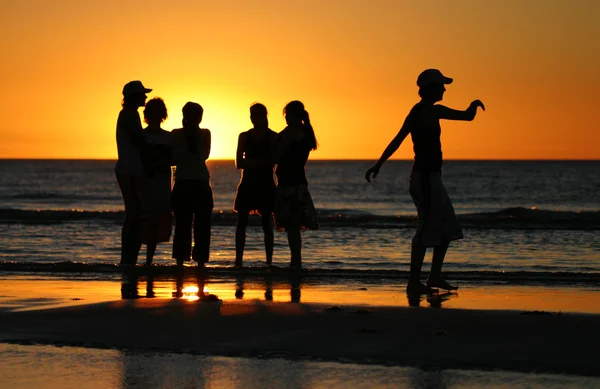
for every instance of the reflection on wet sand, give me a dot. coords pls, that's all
(267, 283)
(435, 300)
(199, 286)
(27, 292)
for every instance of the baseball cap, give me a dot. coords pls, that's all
(133, 87)
(432, 76)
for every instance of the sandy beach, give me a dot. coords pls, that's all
(427, 338)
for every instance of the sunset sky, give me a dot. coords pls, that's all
(534, 63)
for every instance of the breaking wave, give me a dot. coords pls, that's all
(509, 218)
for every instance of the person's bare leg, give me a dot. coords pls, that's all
(295, 242)
(240, 237)
(435, 279)
(150, 250)
(267, 227)
(417, 255)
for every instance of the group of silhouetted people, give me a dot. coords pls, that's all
(146, 157)
(144, 168)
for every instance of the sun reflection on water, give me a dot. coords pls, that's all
(190, 293)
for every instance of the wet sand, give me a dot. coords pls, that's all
(52, 367)
(42, 291)
(524, 341)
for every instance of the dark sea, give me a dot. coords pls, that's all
(522, 219)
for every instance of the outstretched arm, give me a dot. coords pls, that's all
(389, 150)
(443, 112)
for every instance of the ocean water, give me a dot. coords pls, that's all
(520, 218)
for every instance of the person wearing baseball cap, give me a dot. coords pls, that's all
(437, 224)
(129, 169)
(135, 87)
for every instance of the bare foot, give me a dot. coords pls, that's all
(440, 283)
(418, 288)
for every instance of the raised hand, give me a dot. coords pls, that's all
(478, 103)
(374, 171)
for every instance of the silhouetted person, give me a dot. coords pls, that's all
(129, 170)
(294, 209)
(192, 197)
(156, 197)
(256, 190)
(437, 224)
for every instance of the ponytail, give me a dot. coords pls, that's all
(296, 108)
(309, 131)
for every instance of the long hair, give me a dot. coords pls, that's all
(192, 113)
(296, 108)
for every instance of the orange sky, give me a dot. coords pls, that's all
(535, 64)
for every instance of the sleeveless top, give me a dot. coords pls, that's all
(261, 149)
(290, 169)
(426, 138)
(189, 166)
(129, 160)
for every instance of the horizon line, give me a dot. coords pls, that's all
(335, 159)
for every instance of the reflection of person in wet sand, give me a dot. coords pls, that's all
(192, 290)
(435, 300)
(256, 191)
(241, 283)
(130, 283)
(438, 224)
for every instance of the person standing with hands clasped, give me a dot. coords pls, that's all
(256, 191)
(437, 225)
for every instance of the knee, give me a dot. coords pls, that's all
(416, 241)
(267, 224)
(242, 220)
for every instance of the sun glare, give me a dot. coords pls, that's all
(224, 116)
(190, 293)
